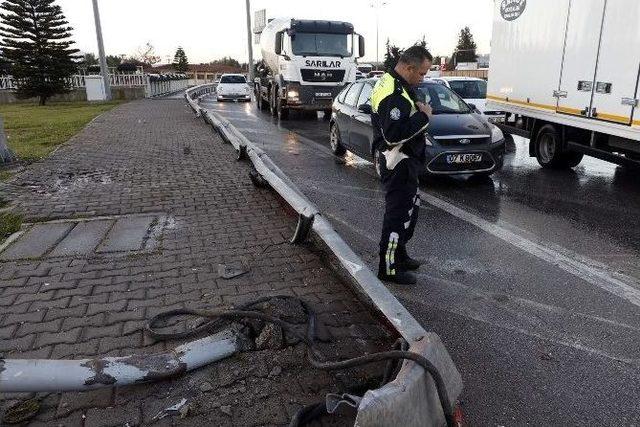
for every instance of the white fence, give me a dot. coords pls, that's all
(152, 87)
(158, 88)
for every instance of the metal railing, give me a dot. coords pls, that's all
(152, 87)
(158, 88)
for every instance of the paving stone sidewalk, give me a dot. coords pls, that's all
(157, 202)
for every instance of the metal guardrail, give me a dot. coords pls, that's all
(159, 88)
(412, 398)
(193, 94)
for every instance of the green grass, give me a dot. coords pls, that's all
(34, 131)
(5, 175)
(9, 224)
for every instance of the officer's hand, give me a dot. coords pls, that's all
(425, 108)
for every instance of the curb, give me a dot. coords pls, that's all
(412, 398)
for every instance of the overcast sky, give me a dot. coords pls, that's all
(210, 29)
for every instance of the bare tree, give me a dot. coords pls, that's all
(147, 54)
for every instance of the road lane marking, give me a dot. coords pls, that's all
(581, 267)
(480, 315)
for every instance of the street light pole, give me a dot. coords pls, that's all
(103, 59)
(250, 41)
(377, 5)
(377, 39)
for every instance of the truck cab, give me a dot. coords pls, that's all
(306, 64)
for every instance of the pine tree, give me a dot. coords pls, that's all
(5, 66)
(466, 48)
(391, 56)
(393, 52)
(36, 42)
(180, 61)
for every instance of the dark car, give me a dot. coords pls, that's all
(459, 140)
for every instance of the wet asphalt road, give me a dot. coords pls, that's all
(531, 278)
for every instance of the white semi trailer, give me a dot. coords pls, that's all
(567, 73)
(305, 64)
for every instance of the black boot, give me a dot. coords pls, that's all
(405, 262)
(398, 276)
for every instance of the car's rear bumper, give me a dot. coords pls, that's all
(439, 159)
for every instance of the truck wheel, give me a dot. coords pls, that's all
(548, 148)
(334, 139)
(261, 104)
(272, 105)
(283, 113)
(572, 158)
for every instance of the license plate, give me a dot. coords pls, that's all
(463, 158)
(497, 119)
(323, 94)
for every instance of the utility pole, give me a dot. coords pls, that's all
(250, 41)
(104, 70)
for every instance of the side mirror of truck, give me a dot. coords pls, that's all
(278, 46)
(360, 45)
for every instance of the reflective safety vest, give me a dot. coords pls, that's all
(385, 86)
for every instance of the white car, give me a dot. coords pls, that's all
(233, 87)
(473, 91)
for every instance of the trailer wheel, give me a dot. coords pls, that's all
(334, 139)
(549, 148)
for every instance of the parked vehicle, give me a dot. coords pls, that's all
(568, 74)
(474, 91)
(306, 64)
(459, 141)
(233, 87)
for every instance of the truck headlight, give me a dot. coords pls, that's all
(496, 134)
(293, 94)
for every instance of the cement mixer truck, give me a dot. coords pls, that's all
(305, 64)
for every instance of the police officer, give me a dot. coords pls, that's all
(400, 123)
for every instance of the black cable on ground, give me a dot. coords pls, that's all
(247, 311)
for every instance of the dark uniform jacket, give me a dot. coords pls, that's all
(396, 120)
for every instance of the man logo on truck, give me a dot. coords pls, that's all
(512, 9)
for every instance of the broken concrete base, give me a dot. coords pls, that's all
(411, 400)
